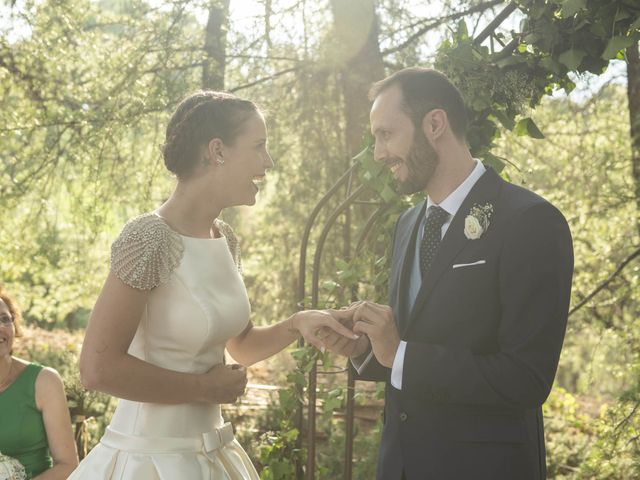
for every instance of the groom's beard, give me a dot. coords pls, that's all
(421, 162)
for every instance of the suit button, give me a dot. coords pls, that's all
(403, 417)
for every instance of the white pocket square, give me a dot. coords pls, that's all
(460, 265)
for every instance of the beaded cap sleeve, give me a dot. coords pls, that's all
(146, 252)
(232, 241)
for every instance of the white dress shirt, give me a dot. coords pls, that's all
(451, 205)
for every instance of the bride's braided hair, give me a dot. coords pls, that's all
(199, 118)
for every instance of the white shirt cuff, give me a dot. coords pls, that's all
(398, 365)
(361, 365)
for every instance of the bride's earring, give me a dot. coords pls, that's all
(219, 160)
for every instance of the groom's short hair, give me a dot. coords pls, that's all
(424, 89)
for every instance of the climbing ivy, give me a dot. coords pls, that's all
(555, 38)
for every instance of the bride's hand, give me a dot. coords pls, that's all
(225, 383)
(310, 322)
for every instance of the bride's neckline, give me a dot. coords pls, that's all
(221, 237)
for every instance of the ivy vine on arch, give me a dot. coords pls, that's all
(500, 81)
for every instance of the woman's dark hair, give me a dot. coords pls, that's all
(199, 118)
(13, 310)
(424, 89)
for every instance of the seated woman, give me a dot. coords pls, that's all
(34, 418)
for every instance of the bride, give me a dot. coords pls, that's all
(174, 300)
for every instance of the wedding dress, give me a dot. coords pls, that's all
(197, 302)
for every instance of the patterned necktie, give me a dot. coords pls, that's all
(431, 238)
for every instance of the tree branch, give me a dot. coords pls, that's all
(495, 23)
(264, 79)
(597, 290)
(436, 23)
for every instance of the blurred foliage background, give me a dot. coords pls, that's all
(553, 88)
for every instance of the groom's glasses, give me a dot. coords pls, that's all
(6, 320)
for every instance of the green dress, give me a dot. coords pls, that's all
(22, 432)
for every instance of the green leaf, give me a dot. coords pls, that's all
(537, 11)
(387, 193)
(291, 435)
(552, 65)
(490, 160)
(480, 102)
(572, 58)
(341, 264)
(521, 128)
(571, 7)
(598, 29)
(510, 60)
(325, 359)
(615, 45)
(534, 131)
(506, 121)
(533, 38)
(463, 31)
(336, 392)
(621, 15)
(582, 23)
(526, 126)
(476, 54)
(363, 154)
(330, 285)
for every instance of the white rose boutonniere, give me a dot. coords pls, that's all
(477, 222)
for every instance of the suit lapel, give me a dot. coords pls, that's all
(454, 241)
(406, 247)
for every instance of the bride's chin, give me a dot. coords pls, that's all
(245, 201)
(252, 196)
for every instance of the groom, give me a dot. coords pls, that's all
(479, 292)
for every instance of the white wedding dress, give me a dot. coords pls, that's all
(197, 302)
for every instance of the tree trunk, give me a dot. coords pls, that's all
(215, 41)
(268, 10)
(633, 94)
(358, 51)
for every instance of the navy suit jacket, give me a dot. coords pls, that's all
(483, 341)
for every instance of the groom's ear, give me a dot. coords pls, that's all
(434, 124)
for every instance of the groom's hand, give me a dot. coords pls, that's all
(377, 322)
(340, 344)
(310, 323)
